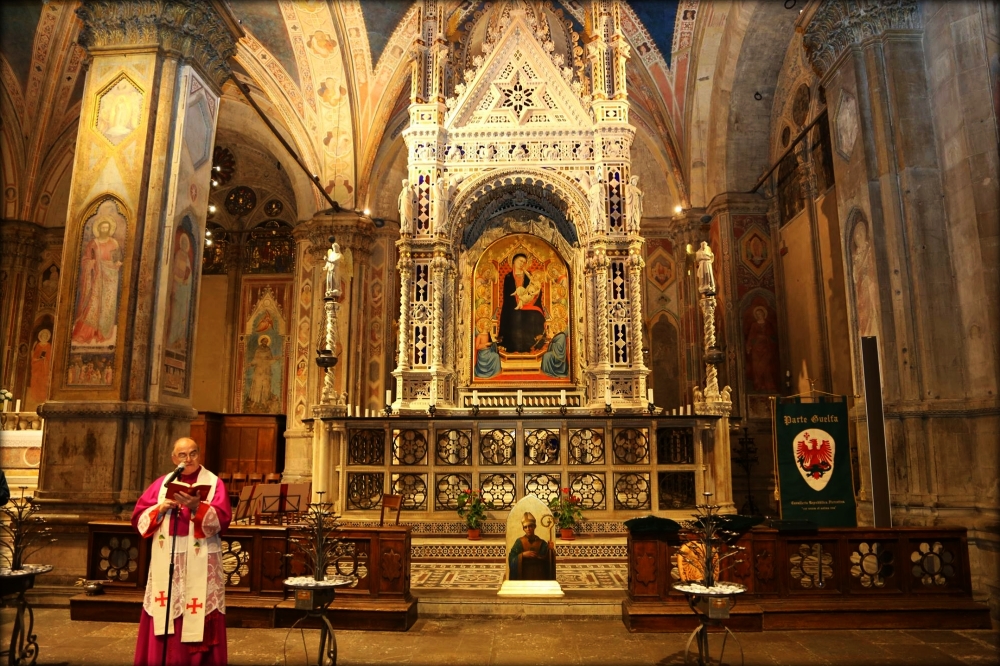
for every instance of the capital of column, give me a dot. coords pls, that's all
(21, 243)
(839, 24)
(352, 232)
(204, 32)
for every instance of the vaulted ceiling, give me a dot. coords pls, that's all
(334, 77)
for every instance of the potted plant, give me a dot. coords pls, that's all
(473, 510)
(567, 511)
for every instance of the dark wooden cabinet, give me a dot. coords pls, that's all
(241, 442)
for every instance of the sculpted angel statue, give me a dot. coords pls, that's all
(597, 202)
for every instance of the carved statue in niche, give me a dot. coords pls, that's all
(333, 257)
(597, 201)
(633, 201)
(406, 208)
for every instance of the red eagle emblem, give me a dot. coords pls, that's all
(814, 457)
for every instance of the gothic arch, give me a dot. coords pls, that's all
(474, 197)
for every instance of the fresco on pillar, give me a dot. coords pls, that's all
(94, 331)
(521, 313)
(180, 303)
(263, 346)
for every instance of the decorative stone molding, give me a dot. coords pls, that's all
(838, 24)
(205, 32)
(67, 411)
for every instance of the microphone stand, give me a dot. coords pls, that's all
(170, 585)
(170, 515)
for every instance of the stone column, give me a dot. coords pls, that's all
(21, 245)
(123, 340)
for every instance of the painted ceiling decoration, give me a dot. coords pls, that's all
(331, 73)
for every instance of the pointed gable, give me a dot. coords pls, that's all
(519, 86)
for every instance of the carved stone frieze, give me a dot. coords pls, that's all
(838, 24)
(205, 32)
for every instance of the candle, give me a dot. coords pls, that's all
(4, 405)
(674, 412)
(434, 394)
(17, 405)
(348, 410)
(519, 396)
(388, 396)
(475, 398)
(607, 395)
(562, 396)
(689, 410)
(649, 396)
(368, 413)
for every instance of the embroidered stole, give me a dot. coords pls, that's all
(196, 571)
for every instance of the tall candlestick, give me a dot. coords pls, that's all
(475, 398)
(562, 396)
(649, 396)
(519, 396)
(607, 395)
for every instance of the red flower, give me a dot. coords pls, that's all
(566, 490)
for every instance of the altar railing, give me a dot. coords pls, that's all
(621, 466)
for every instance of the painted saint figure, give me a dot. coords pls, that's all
(762, 352)
(261, 395)
(182, 274)
(522, 322)
(530, 557)
(97, 303)
(41, 362)
(487, 356)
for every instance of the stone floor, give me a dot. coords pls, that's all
(511, 642)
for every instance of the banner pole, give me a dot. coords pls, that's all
(774, 454)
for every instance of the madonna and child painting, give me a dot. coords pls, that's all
(521, 313)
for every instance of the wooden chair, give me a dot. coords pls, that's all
(255, 477)
(239, 479)
(272, 477)
(226, 478)
(391, 502)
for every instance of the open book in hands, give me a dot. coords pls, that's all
(179, 487)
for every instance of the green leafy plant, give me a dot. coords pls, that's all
(22, 532)
(566, 509)
(471, 508)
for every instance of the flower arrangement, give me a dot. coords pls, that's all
(472, 508)
(6, 395)
(22, 533)
(566, 509)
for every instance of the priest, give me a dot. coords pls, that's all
(196, 632)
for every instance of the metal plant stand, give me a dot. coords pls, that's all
(712, 606)
(314, 597)
(23, 649)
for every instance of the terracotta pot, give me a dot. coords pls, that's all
(566, 533)
(474, 535)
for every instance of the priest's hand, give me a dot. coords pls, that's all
(191, 502)
(164, 506)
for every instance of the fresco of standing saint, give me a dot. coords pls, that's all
(95, 318)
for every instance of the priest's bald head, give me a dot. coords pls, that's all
(186, 451)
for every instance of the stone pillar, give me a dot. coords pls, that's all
(21, 245)
(911, 249)
(123, 340)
